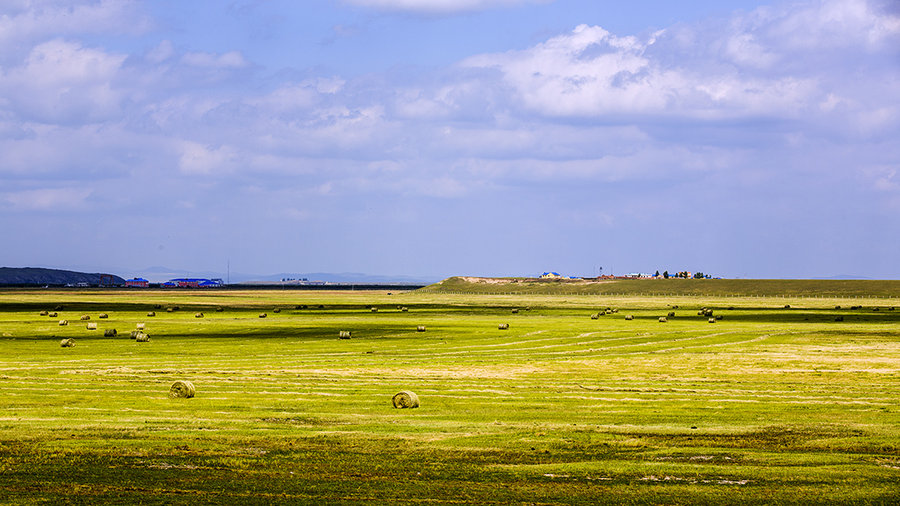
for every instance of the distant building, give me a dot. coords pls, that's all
(193, 283)
(551, 275)
(137, 283)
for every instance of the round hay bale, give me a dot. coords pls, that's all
(420, 328)
(595, 316)
(404, 309)
(151, 313)
(142, 337)
(263, 315)
(712, 320)
(837, 307)
(374, 309)
(787, 306)
(170, 310)
(344, 334)
(276, 310)
(110, 333)
(220, 309)
(140, 326)
(92, 326)
(671, 314)
(629, 317)
(515, 311)
(182, 389)
(503, 326)
(198, 315)
(85, 317)
(663, 319)
(103, 315)
(405, 400)
(45, 313)
(63, 323)
(134, 333)
(718, 317)
(67, 343)
(52, 315)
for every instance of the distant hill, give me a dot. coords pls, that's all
(38, 276)
(672, 287)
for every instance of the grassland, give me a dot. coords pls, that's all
(767, 405)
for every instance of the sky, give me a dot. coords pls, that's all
(431, 138)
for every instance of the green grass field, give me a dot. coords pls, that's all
(767, 405)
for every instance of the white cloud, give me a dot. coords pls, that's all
(24, 21)
(439, 6)
(62, 81)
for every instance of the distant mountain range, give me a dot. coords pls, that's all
(158, 273)
(56, 277)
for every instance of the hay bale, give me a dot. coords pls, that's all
(182, 389)
(63, 323)
(92, 326)
(405, 399)
(374, 309)
(671, 314)
(110, 333)
(420, 328)
(52, 315)
(663, 319)
(67, 343)
(103, 315)
(718, 317)
(263, 315)
(220, 309)
(404, 309)
(503, 326)
(515, 311)
(787, 306)
(85, 317)
(712, 320)
(344, 334)
(629, 317)
(134, 333)
(170, 310)
(142, 337)
(837, 307)
(140, 326)
(198, 315)
(45, 313)
(151, 313)
(276, 310)
(595, 316)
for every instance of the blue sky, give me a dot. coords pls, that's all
(469, 137)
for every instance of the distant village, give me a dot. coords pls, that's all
(633, 275)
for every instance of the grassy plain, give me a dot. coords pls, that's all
(767, 405)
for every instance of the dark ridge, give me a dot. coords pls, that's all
(30, 276)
